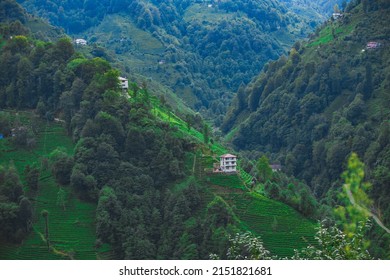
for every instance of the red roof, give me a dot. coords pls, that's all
(373, 45)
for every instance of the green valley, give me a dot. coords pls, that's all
(201, 50)
(146, 139)
(329, 98)
(72, 222)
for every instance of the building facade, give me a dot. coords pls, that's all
(124, 83)
(228, 163)
(81, 42)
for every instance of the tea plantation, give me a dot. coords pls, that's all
(71, 224)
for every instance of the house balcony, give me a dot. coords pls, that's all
(230, 161)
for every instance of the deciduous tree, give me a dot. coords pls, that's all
(264, 170)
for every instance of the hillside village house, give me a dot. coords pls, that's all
(275, 167)
(337, 16)
(373, 45)
(228, 163)
(81, 42)
(124, 83)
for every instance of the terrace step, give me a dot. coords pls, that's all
(281, 228)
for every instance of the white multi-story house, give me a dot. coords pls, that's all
(228, 163)
(124, 83)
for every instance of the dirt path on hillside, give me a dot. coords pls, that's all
(366, 211)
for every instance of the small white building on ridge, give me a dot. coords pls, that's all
(228, 163)
(81, 42)
(337, 16)
(124, 83)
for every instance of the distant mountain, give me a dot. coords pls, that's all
(15, 14)
(203, 50)
(323, 7)
(329, 97)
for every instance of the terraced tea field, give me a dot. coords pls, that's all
(230, 181)
(281, 228)
(71, 228)
(71, 231)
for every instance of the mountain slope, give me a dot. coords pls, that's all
(203, 50)
(126, 184)
(323, 7)
(329, 97)
(72, 226)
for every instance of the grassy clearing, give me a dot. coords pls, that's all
(71, 228)
(139, 50)
(203, 13)
(172, 98)
(115, 27)
(280, 227)
(71, 231)
(324, 38)
(229, 181)
(335, 31)
(178, 187)
(37, 25)
(50, 136)
(168, 116)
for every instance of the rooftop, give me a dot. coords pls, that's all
(228, 156)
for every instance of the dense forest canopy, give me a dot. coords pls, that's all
(203, 50)
(148, 180)
(328, 98)
(124, 161)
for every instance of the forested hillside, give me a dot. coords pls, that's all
(124, 157)
(203, 50)
(92, 170)
(328, 98)
(324, 7)
(87, 172)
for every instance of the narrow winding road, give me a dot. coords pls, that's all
(366, 211)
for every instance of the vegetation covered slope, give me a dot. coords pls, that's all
(324, 7)
(203, 50)
(17, 16)
(126, 183)
(328, 98)
(134, 167)
(281, 228)
(71, 221)
(119, 146)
